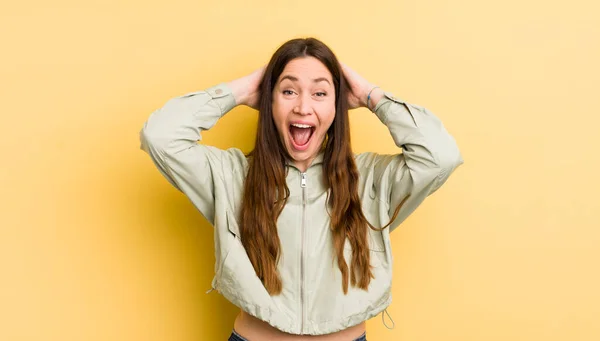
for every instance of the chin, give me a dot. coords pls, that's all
(303, 155)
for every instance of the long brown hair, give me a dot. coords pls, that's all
(266, 191)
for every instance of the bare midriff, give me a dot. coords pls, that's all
(253, 329)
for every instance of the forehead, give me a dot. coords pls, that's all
(306, 69)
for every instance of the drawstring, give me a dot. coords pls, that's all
(212, 286)
(389, 316)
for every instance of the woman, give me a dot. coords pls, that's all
(302, 225)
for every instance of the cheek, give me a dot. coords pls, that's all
(279, 115)
(328, 116)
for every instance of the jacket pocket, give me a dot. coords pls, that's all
(231, 234)
(375, 238)
(237, 279)
(376, 248)
(232, 226)
(376, 242)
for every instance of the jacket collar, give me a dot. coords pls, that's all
(315, 185)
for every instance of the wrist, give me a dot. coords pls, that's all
(372, 97)
(239, 89)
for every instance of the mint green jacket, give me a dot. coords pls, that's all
(312, 300)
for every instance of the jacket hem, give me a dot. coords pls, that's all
(280, 321)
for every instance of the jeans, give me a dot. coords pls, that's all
(236, 337)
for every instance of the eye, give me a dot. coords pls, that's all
(321, 94)
(288, 92)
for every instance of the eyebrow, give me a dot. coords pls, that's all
(295, 79)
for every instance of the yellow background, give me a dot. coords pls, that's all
(96, 245)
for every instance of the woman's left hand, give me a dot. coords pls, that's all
(359, 89)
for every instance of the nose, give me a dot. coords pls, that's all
(303, 106)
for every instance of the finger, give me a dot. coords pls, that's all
(345, 69)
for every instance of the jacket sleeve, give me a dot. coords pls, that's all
(171, 134)
(429, 155)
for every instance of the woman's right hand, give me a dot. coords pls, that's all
(246, 90)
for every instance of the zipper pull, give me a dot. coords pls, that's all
(303, 182)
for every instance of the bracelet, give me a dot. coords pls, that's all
(369, 96)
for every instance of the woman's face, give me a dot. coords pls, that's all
(303, 108)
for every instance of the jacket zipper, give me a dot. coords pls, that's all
(303, 185)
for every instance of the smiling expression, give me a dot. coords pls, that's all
(303, 108)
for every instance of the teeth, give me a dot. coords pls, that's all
(298, 125)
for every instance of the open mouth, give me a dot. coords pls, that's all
(301, 135)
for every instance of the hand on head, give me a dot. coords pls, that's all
(359, 87)
(246, 89)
